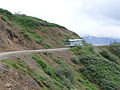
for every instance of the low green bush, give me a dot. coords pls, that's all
(24, 20)
(115, 48)
(43, 29)
(5, 12)
(66, 76)
(62, 73)
(66, 36)
(108, 55)
(40, 79)
(101, 71)
(45, 44)
(19, 65)
(32, 22)
(30, 34)
(84, 49)
(75, 60)
(58, 60)
(6, 16)
(6, 19)
(47, 69)
(75, 34)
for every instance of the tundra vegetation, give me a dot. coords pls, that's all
(45, 34)
(101, 68)
(87, 68)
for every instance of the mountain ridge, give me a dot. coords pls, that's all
(27, 32)
(100, 40)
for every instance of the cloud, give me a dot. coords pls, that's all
(86, 17)
(99, 18)
(108, 9)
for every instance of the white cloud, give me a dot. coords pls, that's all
(86, 17)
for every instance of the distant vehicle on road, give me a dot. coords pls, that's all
(74, 42)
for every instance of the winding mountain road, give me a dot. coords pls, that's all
(7, 54)
(4, 54)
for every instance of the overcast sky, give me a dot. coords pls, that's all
(86, 17)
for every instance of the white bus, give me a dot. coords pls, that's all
(74, 42)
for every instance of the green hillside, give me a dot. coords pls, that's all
(78, 68)
(31, 33)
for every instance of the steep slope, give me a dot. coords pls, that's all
(25, 32)
(100, 66)
(78, 68)
(43, 71)
(37, 71)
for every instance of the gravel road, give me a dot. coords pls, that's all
(4, 54)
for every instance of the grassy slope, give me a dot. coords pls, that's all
(102, 69)
(61, 76)
(33, 31)
(47, 35)
(52, 72)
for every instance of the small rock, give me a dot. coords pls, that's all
(8, 85)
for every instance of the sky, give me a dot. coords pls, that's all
(85, 17)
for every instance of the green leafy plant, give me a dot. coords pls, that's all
(101, 71)
(66, 76)
(19, 65)
(40, 79)
(32, 22)
(48, 70)
(108, 55)
(6, 12)
(75, 60)
(115, 48)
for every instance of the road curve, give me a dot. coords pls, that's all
(3, 54)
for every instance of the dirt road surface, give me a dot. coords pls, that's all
(6, 54)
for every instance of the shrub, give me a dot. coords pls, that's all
(6, 16)
(43, 29)
(64, 72)
(66, 36)
(47, 69)
(29, 34)
(66, 76)
(6, 19)
(108, 55)
(84, 49)
(75, 34)
(32, 22)
(58, 60)
(40, 79)
(61, 73)
(115, 48)
(19, 65)
(5, 12)
(24, 20)
(101, 71)
(75, 60)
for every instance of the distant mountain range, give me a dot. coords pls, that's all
(100, 40)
